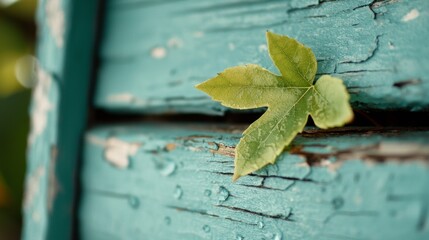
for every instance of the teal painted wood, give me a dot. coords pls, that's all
(65, 47)
(153, 181)
(154, 52)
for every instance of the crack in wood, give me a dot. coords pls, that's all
(276, 216)
(380, 152)
(367, 58)
(405, 83)
(205, 213)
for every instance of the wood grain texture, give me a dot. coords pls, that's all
(66, 34)
(337, 184)
(154, 52)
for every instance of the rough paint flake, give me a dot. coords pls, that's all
(41, 104)
(291, 199)
(413, 14)
(121, 98)
(32, 187)
(55, 19)
(159, 52)
(118, 152)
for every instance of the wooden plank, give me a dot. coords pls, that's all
(153, 181)
(59, 106)
(154, 52)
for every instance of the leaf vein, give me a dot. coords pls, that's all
(278, 122)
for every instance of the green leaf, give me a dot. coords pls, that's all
(290, 99)
(244, 87)
(296, 62)
(330, 105)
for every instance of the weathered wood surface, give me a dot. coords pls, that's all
(66, 33)
(154, 52)
(174, 182)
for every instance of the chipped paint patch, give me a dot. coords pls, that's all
(55, 19)
(401, 151)
(121, 98)
(411, 15)
(41, 105)
(371, 154)
(32, 186)
(170, 147)
(36, 216)
(158, 52)
(193, 149)
(222, 149)
(262, 48)
(231, 46)
(118, 152)
(275, 196)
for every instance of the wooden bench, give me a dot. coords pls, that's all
(124, 147)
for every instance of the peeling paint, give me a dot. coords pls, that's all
(401, 150)
(158, 52)
(262, 48)
(411, 15)
(56, 21)
(193, 149)
(41, 105)
(380, 152)
(118, 152)
(367, 25)
(286, 197)
(36, 216)
(121, 98)
(32, 187)
(170, 147)
(231, 46)
(222, 149)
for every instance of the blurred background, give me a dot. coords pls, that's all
(17, 45)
